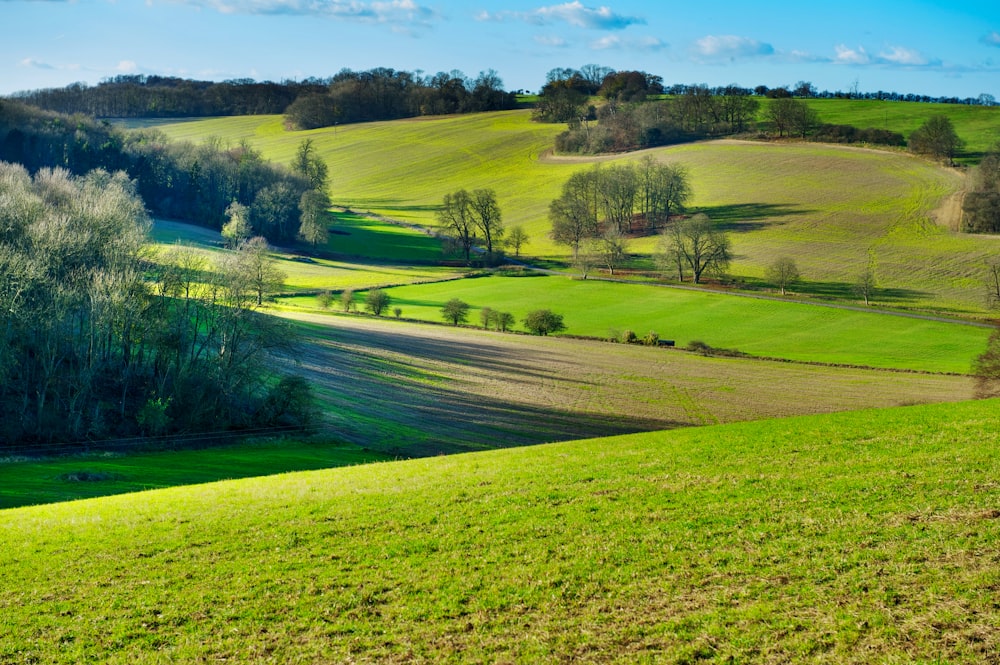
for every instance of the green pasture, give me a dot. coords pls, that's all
(978, 126)
(861, 537)
(368, 253)
(831, 208)
(772, 328)
(84, 476)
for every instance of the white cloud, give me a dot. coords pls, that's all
(574, 13)
(730, 47)
(635, 44)
(388, 11)
(35, 64)
(899, 55)
(553, 41)
(127, 67)
(992, 39)
(849, 56)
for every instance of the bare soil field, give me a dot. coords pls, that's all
(415, 390)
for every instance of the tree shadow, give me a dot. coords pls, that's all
(745, 217)
(845, 291)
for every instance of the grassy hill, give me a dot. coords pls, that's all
(862, 537)
(831, 208)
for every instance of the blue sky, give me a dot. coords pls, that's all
(936, 48)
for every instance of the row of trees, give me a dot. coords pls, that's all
(92, 348)
(197, 183)
(388, 94)
(471, 218)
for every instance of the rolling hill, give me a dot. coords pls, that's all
(858, 537)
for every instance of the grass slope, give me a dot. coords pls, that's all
(862, 537)
(772, 328)
(832, 208)
(368, 253)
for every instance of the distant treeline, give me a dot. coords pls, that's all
(348, 97)
(176, 180)
(138, 96)
(387, 94)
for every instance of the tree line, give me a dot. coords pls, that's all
(178, 180)
(99, 342)
(389, 94)
(141, 96)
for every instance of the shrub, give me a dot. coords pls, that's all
(324, 300)
(651, 339)
(397, 311)
(544, 322)
(376, 301)
(628, 337)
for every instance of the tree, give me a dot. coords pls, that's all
(347, 300)
(487, 317)
(517, 239)
(864, 285)
(993, 282)
(613, 249)
(486, 216)
(262, 272)
(788, 115)
(237, 229)
(986, 368)
(504, 321)
(312, 210)
(456, 217)
(695, 244)
(310, 165)
(936, 138)
(376, 301)
(456, 311)
(783, 273)
(543, 322)
(663, 190)
(572, 220)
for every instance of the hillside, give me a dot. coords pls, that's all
(863, 537)
(831, 208)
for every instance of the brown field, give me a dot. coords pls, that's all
(414, 390)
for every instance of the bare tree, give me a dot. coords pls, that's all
(517, 239)
(456, 217)
(695, 244)
(783, 273)
(486, 216)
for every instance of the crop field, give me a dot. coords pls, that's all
(833, 209)
(772, 328)
(412, 390)
(34, 481)
(855, 538)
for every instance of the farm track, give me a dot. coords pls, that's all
(413, 390)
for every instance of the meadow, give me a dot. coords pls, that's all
(834, 209)
(849, 538)
(762, 327)
(363, 253)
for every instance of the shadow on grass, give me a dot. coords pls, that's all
(745, 217)
(846, 291)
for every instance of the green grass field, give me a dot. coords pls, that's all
(26, 482)
(978, 126)
(779, 329)
(831, 208)
(862, 537)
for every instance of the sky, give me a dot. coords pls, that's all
(907, 46)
